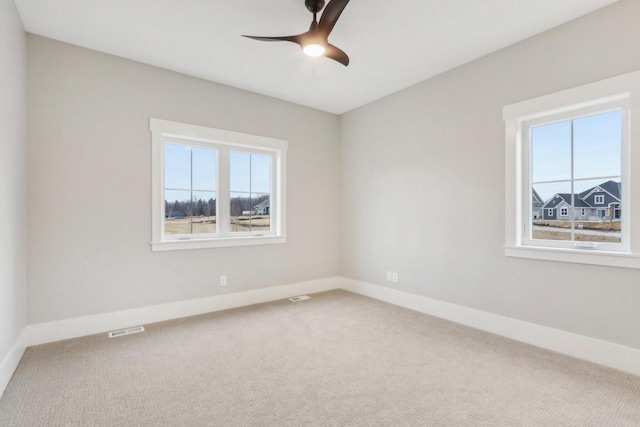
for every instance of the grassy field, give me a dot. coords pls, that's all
(201, 224)
(601, 226)
(586, 225)
(559, 235)
(207, 224)
(254, 223)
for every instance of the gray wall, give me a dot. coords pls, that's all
(423, 184)
(12, 176)
(89, 189)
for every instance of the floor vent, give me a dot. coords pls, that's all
(128, 331)
(300, 298)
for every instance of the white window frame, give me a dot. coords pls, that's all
(164, 131)
(598, 199)
(564, 211)
(605, 95)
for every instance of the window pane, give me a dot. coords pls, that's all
(597, 145)
(595, 208)
(204, 169)
(177, 217)
(240, 212)
(551, 210)
(261, 219)
(600, 202)
(260, 173)
(240, 168)
(204, 212)
(177, 166)
(551, 152)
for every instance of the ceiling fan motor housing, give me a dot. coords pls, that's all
(314, 6)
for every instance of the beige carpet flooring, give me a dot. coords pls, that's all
(338, 359)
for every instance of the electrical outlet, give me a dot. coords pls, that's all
(388, 276)
(394, 277)
(223, 280)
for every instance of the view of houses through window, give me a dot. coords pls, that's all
(250, 207)
(190, 191)
(576, 179)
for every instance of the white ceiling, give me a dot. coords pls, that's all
(392, 44)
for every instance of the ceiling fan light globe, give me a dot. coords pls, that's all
(314, 49)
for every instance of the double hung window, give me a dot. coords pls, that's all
(569, 172)
(573, 162)
(215, 188)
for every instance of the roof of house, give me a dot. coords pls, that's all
(536, 197)
(263, 204)
(565, 197)
(579, 203)
(611, 187)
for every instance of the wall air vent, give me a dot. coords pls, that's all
(127, 331)
(300, 298)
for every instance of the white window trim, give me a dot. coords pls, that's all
(164, 130)
(525, 124)
(619, 89)
(564, 211)
(599, 197)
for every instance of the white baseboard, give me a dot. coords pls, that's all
(9, 365)
(42, 333)
(591, 349)
(594, 350)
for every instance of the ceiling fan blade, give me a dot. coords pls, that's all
(293, 39)
(336, 54)
(330, 16)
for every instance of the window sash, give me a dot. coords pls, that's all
(192, 135)
(223, 193)
(525, 126)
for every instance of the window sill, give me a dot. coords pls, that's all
(178, 245)
(578, 256)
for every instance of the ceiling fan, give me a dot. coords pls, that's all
(315, 41)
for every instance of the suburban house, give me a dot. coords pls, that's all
(536, 204)
(602, 202)
(174, 214)
(262, 208)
